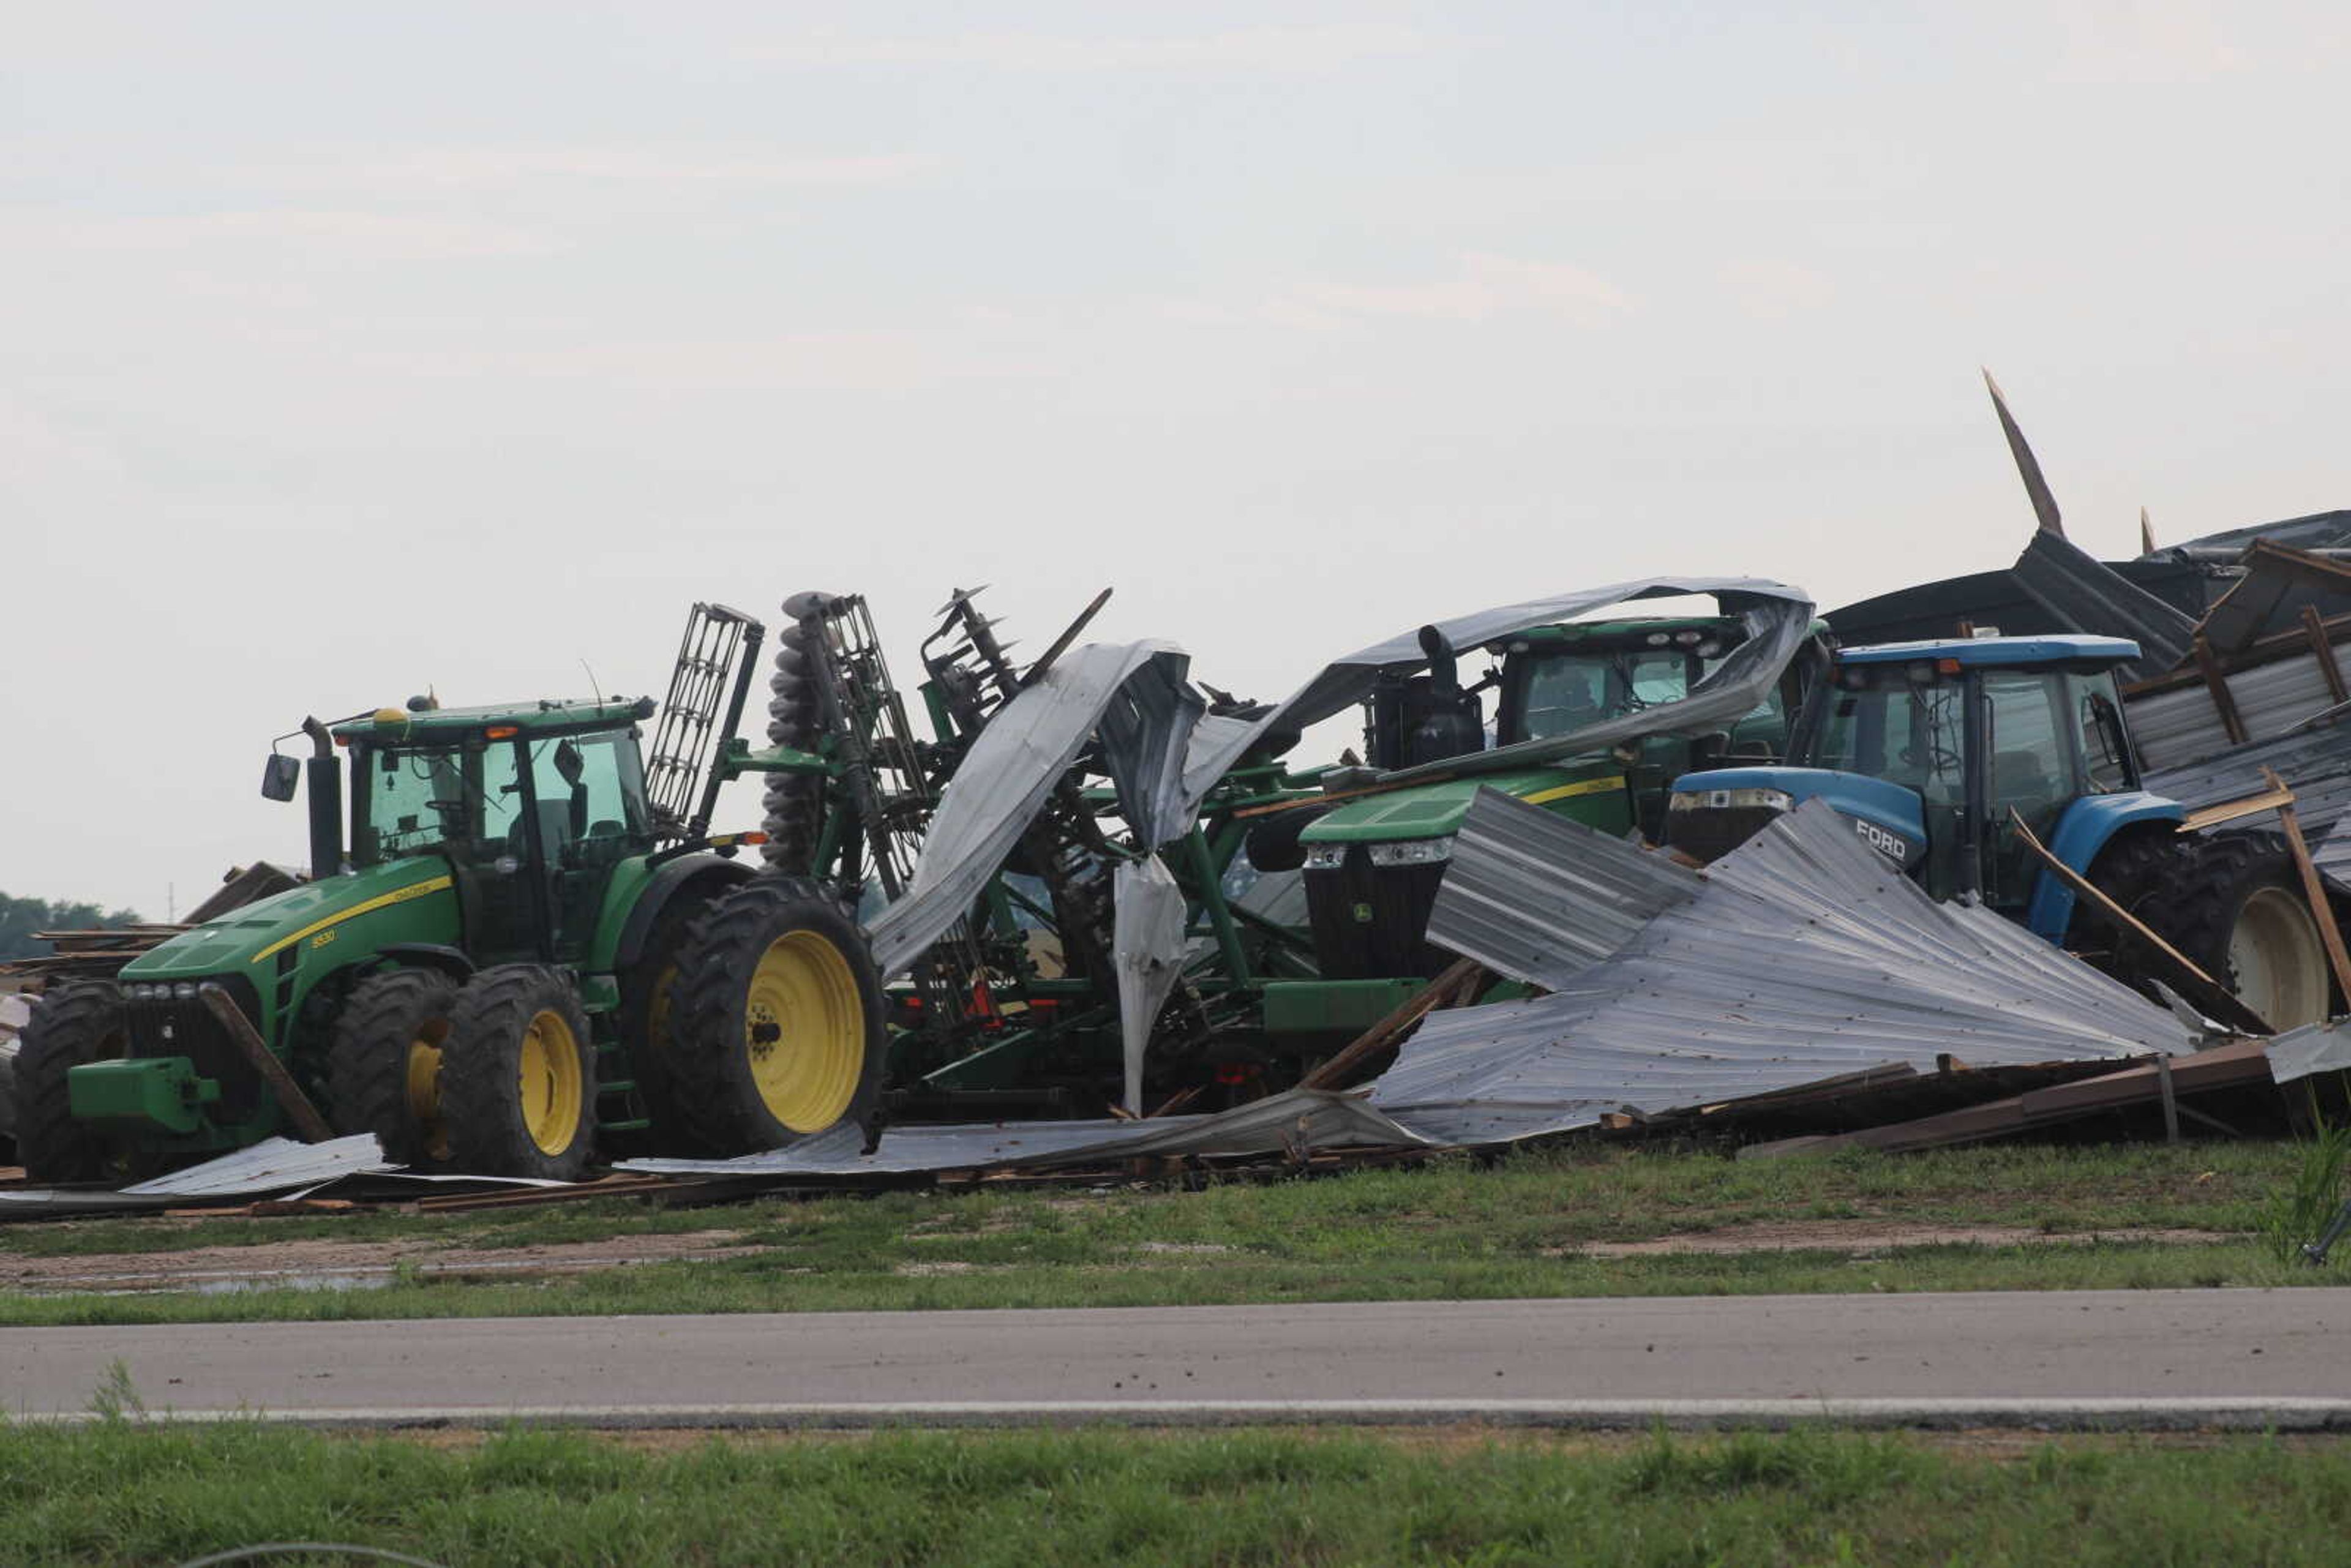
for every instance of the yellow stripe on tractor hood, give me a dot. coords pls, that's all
(381, 900)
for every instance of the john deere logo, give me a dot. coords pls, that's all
(1363, 914)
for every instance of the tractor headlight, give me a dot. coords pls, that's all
(1325, 857)
(1731, 799)
(1414, 852)
(185, 992)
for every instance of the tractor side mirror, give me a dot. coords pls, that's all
(281, 777)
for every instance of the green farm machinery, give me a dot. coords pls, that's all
(523, 945)
(528, 941)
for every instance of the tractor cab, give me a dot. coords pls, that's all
(1934, 749)
(1374, 856)
(532, 807)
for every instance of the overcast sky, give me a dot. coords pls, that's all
(351, 350)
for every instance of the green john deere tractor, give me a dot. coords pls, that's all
(1375, 846)
(528, 942)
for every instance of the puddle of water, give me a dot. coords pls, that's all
(356, 1277)
(372, 1281)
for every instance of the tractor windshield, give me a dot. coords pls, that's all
(1569, 691)
(410, 800)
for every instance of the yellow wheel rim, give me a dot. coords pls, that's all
(551, 1082)
(424, 1087)
(657, 1009)
(804, 1031)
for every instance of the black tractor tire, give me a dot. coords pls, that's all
(383, 1064)
(777, 1031)
(647, 1000)
(76, 1023)
(518, 1076)
(794, 801)
(2233, 905)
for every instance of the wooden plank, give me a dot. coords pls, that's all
(2323, 649)
(2322, 909)
(2212, 816)
(2230, 1066)
(2267, 650)
(2213, 997)
(2224, 700)
(1339, 1070)
(288, 1094)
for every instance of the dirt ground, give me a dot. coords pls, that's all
(348, 1263)
(1875, 1236)
(331, 1265)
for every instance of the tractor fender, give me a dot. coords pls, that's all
(2083, 833)
(686, 875)
(450, 961)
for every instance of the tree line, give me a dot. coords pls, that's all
(20, 917)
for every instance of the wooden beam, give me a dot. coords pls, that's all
(2209, 994)
(2320, 649)
(2321, 908)
(1337, 1072)
(2212, 816)
(2224, 700)
(290, 1098)
(2266, 650)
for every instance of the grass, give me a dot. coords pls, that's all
(1453, 1229)
(119, 1493)
(2300, 1211)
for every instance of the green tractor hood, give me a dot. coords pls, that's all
(1436, 811)
(410, 900)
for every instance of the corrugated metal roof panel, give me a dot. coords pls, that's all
(2180, 726)
(1300, 1118)
(1533, 895)
(1805, 957)
(2088, 595)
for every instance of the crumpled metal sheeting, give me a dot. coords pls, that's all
(1026, 748)
(1531, 894)
(1799, 961)
(1148, 953)
(274, 1165)
(2085, 593)
(2314, 1047)
(2315, 764)
(1813, 866)
(1145, 728)
(1777, 626)
(1300, 1118)
(271, 1165)
(2180, 727)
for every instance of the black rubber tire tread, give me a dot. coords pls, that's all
(649, 1058)
(718, 1105)
(794, 803)
(78, 1022)
(367, 1059)
(2188, 889)
(481, 1090)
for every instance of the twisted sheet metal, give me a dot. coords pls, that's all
(274, 1165)
(2088, 595)
(2180, 727)
(1806, 956)
(1300, 1119)
(2315, 765)
(1533, 896)
(1778, 620)
(2314, 1047)
(1133, 692)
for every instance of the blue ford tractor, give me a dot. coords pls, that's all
(1927, 748)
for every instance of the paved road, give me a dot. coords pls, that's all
(2195, 1356)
